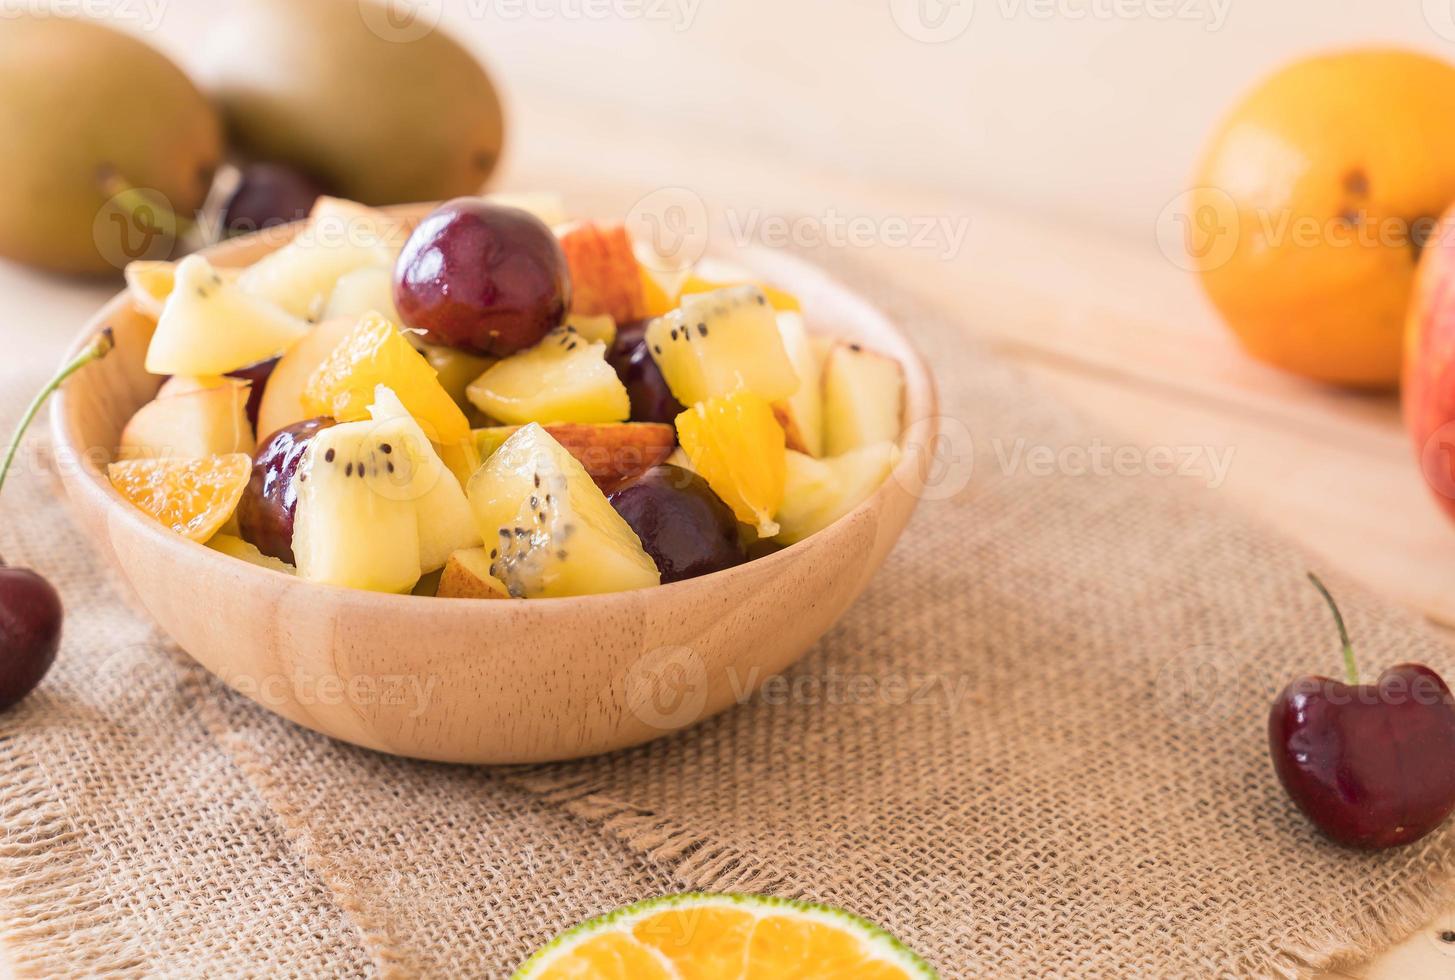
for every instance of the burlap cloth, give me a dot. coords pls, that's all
(1035, 747)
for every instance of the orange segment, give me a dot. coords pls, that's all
(375, 353)
(194, 497)
(725, 937)
(736, 444)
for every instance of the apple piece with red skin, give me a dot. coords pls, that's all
(482, 277)
(1427, 384)
(1372, 765)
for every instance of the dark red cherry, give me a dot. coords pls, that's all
(482, 277)
(30, 632)
(30, 608)
(683, 525)
(258, 374)
(269, 194)
(1372, 765)
(651, 399)
(265, 512)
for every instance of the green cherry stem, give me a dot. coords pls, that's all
(1351, 670)
(98, 348)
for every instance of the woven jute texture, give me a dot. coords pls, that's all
(1034, 748)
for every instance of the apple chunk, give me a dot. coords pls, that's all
(467, 576)
(801, 413)
(605, 276)
(863, 399)
(208, 421)
(612, 453)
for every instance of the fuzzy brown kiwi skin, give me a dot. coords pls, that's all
(83, 107)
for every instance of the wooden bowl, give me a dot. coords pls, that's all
(480, 681)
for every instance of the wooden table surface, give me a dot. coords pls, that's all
(1110, 325)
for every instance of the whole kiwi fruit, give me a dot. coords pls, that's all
(384, 110)
(86, 111)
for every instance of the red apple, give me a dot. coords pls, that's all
(1428, 388)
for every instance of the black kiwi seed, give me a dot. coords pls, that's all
(361, 471)
(762, 300)
(855, 348)
(505, 532)
(385, 448)
(328, 456)
(390, 467)
(702, 329)
(349, 470)
(674, 333)
(561, 554)
(538, 479)
(494, 553)
(657, 348)
(520, 532)
(534, 503)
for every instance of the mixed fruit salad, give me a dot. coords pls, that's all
(499, 403)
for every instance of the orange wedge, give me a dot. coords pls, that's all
(194, 497)
(736, 444)
(725, 937)
(375, 353)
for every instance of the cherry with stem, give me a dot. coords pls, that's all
(30, 608)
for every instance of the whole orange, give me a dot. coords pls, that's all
(1313, 202)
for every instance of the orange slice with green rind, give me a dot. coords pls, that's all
(193, 497)
(725, 937)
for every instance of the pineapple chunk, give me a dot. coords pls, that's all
(598, 327)
(564, 378)
(549, 531)
(720, 342)
(818, 492)
(210, 326)
(737, 446)
(362, 291)
(801, 413)
(236, 547)
(302, 275)
(863, 399)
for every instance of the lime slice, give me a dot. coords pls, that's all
(725, 937)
